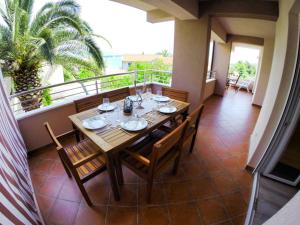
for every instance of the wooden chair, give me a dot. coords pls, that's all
(88, 102)
(117, 94)
(83, 161)
(149, 156)
(84, 104)
(175, 94)
(193, 123)
(191, 131)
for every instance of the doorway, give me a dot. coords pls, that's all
(244, 66)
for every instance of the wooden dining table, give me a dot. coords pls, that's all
(112, 138)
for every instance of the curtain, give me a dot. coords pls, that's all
(17, 202)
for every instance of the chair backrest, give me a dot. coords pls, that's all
(117, 94)
(61, 152)
(194, 117)
(88, 102)
(175, 94)
(237, 80)
(51, 133)
(171, 142)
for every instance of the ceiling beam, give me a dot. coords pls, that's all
(177, 8)
(157, 15)
(266, 10)
(245, 39)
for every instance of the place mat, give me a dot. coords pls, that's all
(178, 105)
(88, 114)
(114, 135)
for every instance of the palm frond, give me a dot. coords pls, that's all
(5, 17)
(95, 51)
(49, 9)
(70, 62)
(55, 18)
(27, 5)
(48, 46)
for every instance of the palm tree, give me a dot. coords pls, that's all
(164, 53)
(55, 35)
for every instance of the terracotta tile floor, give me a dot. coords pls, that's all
(211, 187)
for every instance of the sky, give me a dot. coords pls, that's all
(244, 53)
(128, 31)
(125, 27)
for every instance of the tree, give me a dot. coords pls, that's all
(55, 35)
(164, 53)
(157, 68)
(243, 68)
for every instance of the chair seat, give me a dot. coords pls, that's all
(143, 147)
(80, 151)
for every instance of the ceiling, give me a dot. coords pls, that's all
(248, 27)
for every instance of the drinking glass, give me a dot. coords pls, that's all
(118, 112)
(159, 93)
(105, 102)
(149, 92)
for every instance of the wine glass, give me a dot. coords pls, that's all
(149, 93)
(118, 112)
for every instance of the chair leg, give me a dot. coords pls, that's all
(84, 193)
(119, 170)
(149, 189)
(192, 144)
(176, 165)
(77, 133)
(65, 167)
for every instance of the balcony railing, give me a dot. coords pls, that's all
(211, 74)
(57, 93)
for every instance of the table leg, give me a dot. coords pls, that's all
(112, 176)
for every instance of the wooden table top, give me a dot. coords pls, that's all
(114, 138)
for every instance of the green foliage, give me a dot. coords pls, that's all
(113, 82)
(46, 99)
(157, 76)
(244, 68)
(56, 34)
(164, 53)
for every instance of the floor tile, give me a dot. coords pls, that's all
(129, 193)
(186, 213)
(51, 186)
(150, 215)
(178, 192)
(235, 204)
(122, 215)
(157, 196)
(70, 191)
(95, 215)
(212, 211)
(203, 188)
(63, 212)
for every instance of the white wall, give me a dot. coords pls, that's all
(264, 72)
(284, 58)
(221, 63)
(191, 43)
(209, 88)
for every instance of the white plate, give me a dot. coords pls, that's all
(94, 123)
(108, 107)
(134, 124)
(167, 109)
(159, 98)
(134, 98)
